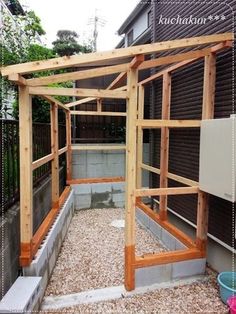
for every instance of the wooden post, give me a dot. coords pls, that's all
(164, 158)
(68, 144)
(99, 104)
(26, 181)
(140, 136)
(132, 79)
(207, 113)
(55, 160)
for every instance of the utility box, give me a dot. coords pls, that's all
(217, 173)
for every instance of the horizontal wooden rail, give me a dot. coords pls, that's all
(80, 92)
(41, 161)
(48, 221)
(95, 180)
(98, 147)
(154, 124)
(181, 236)
(167, 191)
(170, 175)
(167, 257)
(98, 113)
(62, 150)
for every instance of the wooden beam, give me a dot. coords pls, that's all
(136, 61)
(119, 79)
(170, 175)
(78, 75)
(55, 160)
(207, 113)
(82, 92)
(167, 257)
(181, 236)
(196, 55)
(95, 180)
(99, 105)
(98, 113)
(26, 181)
(78, 60)
(132, 105)
(97, 147)
(17, 79)
(140, 136)
(68, 144)
(164, 149)
(186, 56)
(80, 102)
(167, 191)
(53, 100)
(62, 150)
(41, 161)
(155, 124)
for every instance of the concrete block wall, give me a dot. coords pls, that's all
(99, 195)
(95, 164)
(163, 273)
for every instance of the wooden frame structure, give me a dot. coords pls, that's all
(128, 62)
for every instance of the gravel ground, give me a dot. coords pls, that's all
(201, 297)
(92, 254)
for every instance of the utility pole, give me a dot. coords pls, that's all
(95, 22)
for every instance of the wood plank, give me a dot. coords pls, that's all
(82, 92)
(68, 144)
(97, 147)
(186, 56)
(118, 80)
(80, 102)
(207, 113)
(164, 149)
(77, 60)
(136, 61)
(53, 100)
(99, 105)
(140, 137)
(167, 257)
(26, 181)
(17, 79)
(41, 161)
(77, 75)
(55, 160)
(98, 113)
(167, 191)
(48, 222)
(95, 180)
(132, 106)
(162, 60)
(170, 175)
(62, 150)
(181, 236)
(154, 124)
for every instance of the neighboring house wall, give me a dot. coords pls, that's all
(138, 26)
(186, 102)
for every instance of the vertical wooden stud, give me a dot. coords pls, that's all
(99, 104)
(68, 143)
(164, 157)
(26, 181)
(207, 113)
(132, 79)
(140, 136)
(55, 160)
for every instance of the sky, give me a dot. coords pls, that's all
(78, 16)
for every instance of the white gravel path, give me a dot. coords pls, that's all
(92, 255)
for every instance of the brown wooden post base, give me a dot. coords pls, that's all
(129, 267)
(26, 254)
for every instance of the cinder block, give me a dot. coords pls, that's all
(188, 268)
(150, 275)
(142, 218)
(22, 296)
(118, 197)
(120, 204)
(118, 187)
(95, 171)
(79, 171)
(51, 262)
(101, 187)
(155, 228)
(82, 201)
(82, 189)
(168, 240)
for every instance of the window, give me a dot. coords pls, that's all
(130, 37)
(149, 18)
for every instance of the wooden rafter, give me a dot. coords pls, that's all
(77, 60)
(98, 113)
